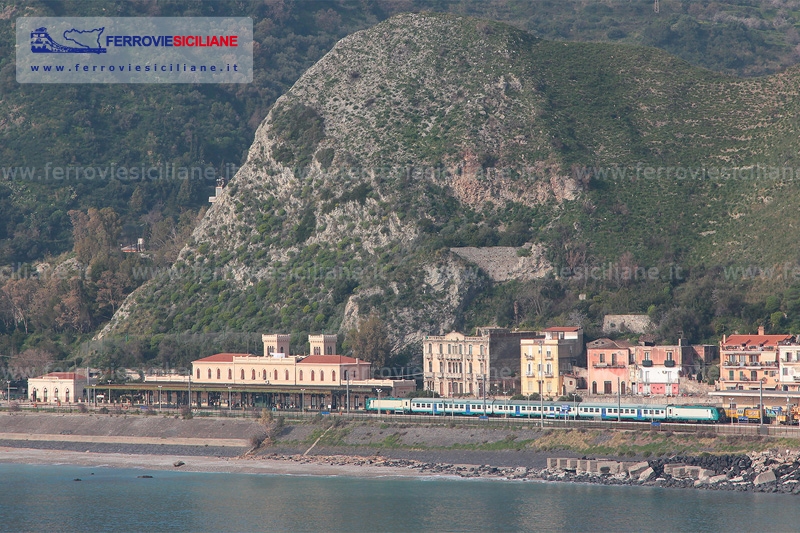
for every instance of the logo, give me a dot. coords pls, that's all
(87, 41)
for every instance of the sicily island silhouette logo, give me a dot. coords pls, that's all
(83, 42)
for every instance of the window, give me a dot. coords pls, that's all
(253, 374)
(242, 375)
(286, 375)
(66, 395)
(481, 351)
(219, 374)
(449, 349)
(669, 356)
(730, 375)
(301, 375)
(312, 375)
(753, 375)
(470, 349)
(470, 367)
(606, 387)
(198, 373)
(602, 358)
(45, 394)
(430, 366)
(230, 374)
(646, 356)
(275, 374)
(209, 373)
(613, 359)
(333, 375)
(460, 349)
(441, 366)
(316, 350)
(322, 375)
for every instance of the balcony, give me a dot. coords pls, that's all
(669, 363)
(647, 363)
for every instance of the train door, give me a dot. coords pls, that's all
(602, 412)
(638, 414)
(435, 407)
(467, 409)
(516, 410)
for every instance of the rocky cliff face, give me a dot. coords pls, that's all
(396, 129)
(383, 179)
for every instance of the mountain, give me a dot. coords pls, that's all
(419, 150)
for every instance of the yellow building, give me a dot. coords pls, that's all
(546, 361)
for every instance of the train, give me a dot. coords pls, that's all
(707, 414)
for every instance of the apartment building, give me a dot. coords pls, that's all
(547, 361)
(748, 362)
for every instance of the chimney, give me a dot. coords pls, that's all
(760, 330)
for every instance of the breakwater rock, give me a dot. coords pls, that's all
(770, 471)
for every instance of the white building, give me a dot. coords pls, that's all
(55, 387)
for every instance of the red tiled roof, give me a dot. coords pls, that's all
(563, 328)
(64, 375)
(331, 360)
(222, 357)
(756, 340)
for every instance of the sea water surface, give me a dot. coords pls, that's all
(46, 498)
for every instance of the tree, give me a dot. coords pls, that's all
(370, 342)
(31, 363)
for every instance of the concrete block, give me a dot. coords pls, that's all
(705, 473)
(717, 479)
(764, 477)
(562, 463)
(637, 468)
(645, 475)
(552, 463)
(572, 464)
(612, 466)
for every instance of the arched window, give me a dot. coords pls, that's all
(286, 375)
(301, 375)
(253, 374)
(66, 395)
(55, 395)
(198, 373)
(209, 373)
(219, 376)
(265, 375)
(45, 394)
(242, 375)
(333, 375)
(312, 375)
(276, 374)
(594, 387)
(230, 374)
(322, 375)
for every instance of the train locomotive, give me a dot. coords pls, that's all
(707, 414)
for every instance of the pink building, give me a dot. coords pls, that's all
(609, 364)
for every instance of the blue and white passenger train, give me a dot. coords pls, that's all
(554, 410)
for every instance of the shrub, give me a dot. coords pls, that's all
(257, 439)
(186, 412)
(82, 408)
(103, 410)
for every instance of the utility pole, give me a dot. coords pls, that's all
(619, 401)
(761, 403)
(347, 375)
(484, 395)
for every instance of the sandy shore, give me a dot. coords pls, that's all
(312, 466)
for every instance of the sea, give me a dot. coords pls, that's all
(49, 498)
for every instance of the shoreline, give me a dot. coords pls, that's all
(376, 466)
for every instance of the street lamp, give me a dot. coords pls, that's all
(160, 408)
(229, 398)
(379, 403)
(302, 400)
